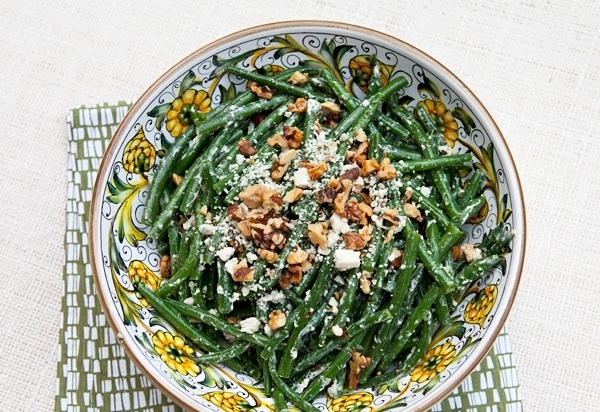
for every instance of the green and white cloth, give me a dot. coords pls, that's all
(94, 374)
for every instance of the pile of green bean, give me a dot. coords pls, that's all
(390, 326)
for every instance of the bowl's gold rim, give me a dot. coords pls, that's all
(103, 171)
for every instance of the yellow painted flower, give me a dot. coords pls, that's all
(355, 402)
(228, 401)
(175, 353)
(435, 361)
(444, 120)
(139, 154)
(480, 215)
(178, 117)
(139, 272)
(481, 305)
(361, 68)
(271, 69)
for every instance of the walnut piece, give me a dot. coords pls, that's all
(351, 174)
(326, 195)
(386, 170)
(369, 166)
(297, 256)
(261, 91)
(360, 135)
(165, 266)
(268, 255)
(235, 212)
(277, 140)
(356, 365)
(413, 212)
(471, 252)
(299, 106)
(293, 195)
(365, 282)
(354, 241)
(277, 319)
(252, 196)
(396, 258)
(176, 179)
(298, 79)
(245, 148)
(316, 236)
(457, 253)
(339, 203)
(360, 155)
(294, 136)
(242, 273)
(244, 228)
(293, 275)
(317, 172)
(331, 107)
(282, 164)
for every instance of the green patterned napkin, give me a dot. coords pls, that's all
(94, 374)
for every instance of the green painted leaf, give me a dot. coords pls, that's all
(339, 52)
(160, 120)
(327, 52)
(405, 100)
(161, 109)
(282, 52)
(212, 378)
(164, 142)
(431, 384)
(115, 257)
(465, 118)
(427, 86)
(315, 63)
(227, 93)
(221, 63)
(190, 80)
(454, 329)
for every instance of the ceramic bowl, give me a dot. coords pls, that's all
(122, 253)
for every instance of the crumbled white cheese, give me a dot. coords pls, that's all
(339, 224)
(294, 353)
(207, 230)
(189, 301)
(239, 158)
(189, 223)
(226, 253)
(445, 149)
(251, 257)
(332, 239)
(337, 331)
(245, 291)
(250, 325)
(230, 264)
(220, 290)
(346, 259)
(213, 312)
(268, 331)
(425, 191)
(333, 389)
(302, 178)
(366, 103)
(340, 280)
(394, 255)
(300, 387)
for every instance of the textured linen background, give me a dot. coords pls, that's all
(534, 64)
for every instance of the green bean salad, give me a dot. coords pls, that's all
(313, 240)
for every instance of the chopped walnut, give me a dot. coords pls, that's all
(326, 195)
(365, 282)
(298, 79)
(294, 136)
(232, 319)
(457, 253)
(360, 155)
(351, 174)
(235, 212)
(332, 120)
(340, 200)
(366, 198)
(299, 106)
(369, 166)
(281, 164)
(244, 228)
(242, 273)
(360, 135)
(353, 212)
(407, 195)
(277, 319)
(366, 232)
(176, 179)
(391, 215)
(317, 172)
(165, 266)
(354, 241)
(306, 164)
(203, 210)
(305, 266)
(245, 148)
(396, 257)
(277, 140)
(356, 365)
(261, 91)
(293, 275)
(252, 196)
(268, 255)
(471, 252)
(386, 170)
(316, 236)
(297, 256)
(331, 107)
(413, 212)
(293, 195)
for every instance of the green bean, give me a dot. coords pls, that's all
(396, 153)
(173, 234)
(375, 145)
(163, 174)
(224, 290)
(285, 389)
(217, 322)
(426, 203)
(442, 311)
(276, 84)
(280, 401)
(378, 282)
(450, 238)
(420, 313)
(433, 163)
(473, 187)
(260, 132)
(375, 79)
(347, 299)
(373, 252)
(377, 99)
(186, 328)
(222, 355)
(267, 381)
(475, 269)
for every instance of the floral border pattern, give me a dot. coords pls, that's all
(130, 257)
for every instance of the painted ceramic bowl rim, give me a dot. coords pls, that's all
(483, 347)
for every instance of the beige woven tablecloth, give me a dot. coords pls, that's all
(534, 64)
